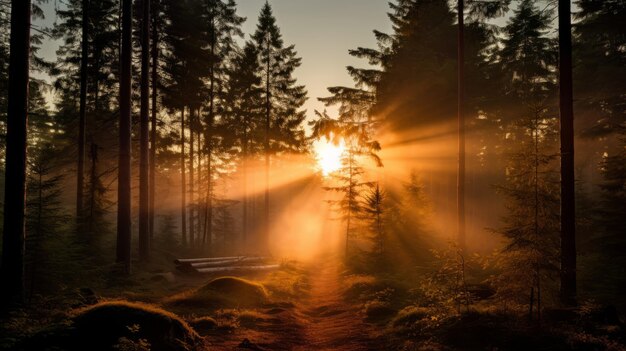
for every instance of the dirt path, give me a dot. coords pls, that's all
(321, 320)
(332, 322)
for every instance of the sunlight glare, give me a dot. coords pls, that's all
(328, 155)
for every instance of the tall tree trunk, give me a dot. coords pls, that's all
(124, 168)
(80, 172)
(13, 236)
(92, 185)
(144, 149)
(183, 182)
(153, 120)
(244, 166)
(192, 189)
(268, 108)
(208, 213)
(199, 175)
(461, 125)
(568, 207)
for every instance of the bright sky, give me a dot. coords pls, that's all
(322, 30)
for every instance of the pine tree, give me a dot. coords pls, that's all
(12, 269)
(568, 186)
(124, 168)
(144, 180)
(374, 212)
(244, 115)
(44, 213)
(283, 98)
(528, 59)
(101, 104)
(600, 66)
(349, 179)
(222, 26)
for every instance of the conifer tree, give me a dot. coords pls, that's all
(528, 58)
(144, 205)
(124, 169)
(44, 215)
(568, 186)
(221, 26)
(356, 135)
(600, 67)
(244, 115)
(12, 268)
(374, 212)
(283, 98)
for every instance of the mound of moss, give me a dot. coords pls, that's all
(103, 326)
(242, 288)
(118, 325)
(223, 292)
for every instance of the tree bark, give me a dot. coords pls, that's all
(208, 213)
(183, 205)
(244, 166)
(13, 236)
(153, 121)
(144, 162)
(124, 168)
(568, 207)
(82, 114)
(461, 126)
(268, 107)
(192, 189)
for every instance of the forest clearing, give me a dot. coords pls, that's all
(313, 175)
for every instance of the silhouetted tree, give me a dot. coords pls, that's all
(244, 115)
(144, 156)
(124, 168)
(355, 134)
(12, 269)
(283, 98)
(568, 187)
(80, 172)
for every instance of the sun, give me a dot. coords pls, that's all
(328, 155)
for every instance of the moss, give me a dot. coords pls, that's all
(203, 324)
(101, 326)
(223, 292)
(378, 311)
(410, 315)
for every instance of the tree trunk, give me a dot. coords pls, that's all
(461, 121)
(124, 168)
(80, 172)
(183, 182)
(144, 172)
(268, 107)
(13, 238)
(153, 122)
(92, 185)
(208, 213)
(531, 303)
(568, 217)
(192, 189)
(244, 166)
(199, 175)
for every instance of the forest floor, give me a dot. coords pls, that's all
(321, 319)
(319, 305)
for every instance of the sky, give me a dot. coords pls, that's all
(322, 30)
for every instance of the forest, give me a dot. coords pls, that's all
(171, 180)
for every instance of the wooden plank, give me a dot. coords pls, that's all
(228, 262)
(208, 259)
(238, 269)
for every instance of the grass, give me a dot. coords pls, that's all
(289, 282)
